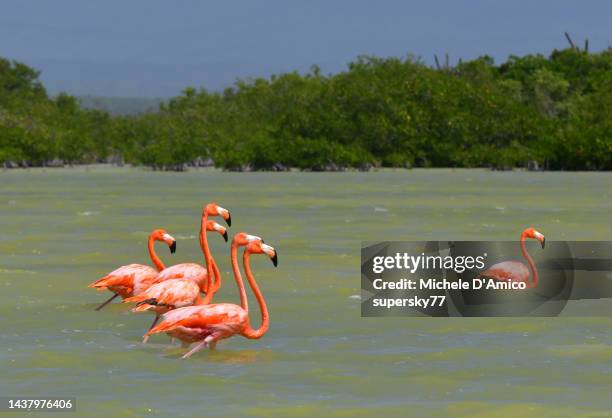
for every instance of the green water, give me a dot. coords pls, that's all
(61, 229)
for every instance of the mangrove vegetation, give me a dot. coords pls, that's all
(551, 112)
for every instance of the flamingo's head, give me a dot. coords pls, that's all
(213, 226)
(212, 209)
(258, 247)
(242, 239)
(533, 234)
(162, 235)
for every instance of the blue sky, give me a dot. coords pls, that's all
(151, 48)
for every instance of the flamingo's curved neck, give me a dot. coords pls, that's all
(249, 332)
(217, 275)
(244, 303)
(532, 267)
(207, 259)
(159, 265)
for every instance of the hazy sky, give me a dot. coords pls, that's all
(156, 48)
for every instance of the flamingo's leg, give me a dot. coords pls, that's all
(211, 340)
(146, 338)
(107, 302)
(154, 322)
(195, 349)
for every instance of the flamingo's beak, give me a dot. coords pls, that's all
(151, 301)
(169, 239)
(221, 230)
(228, 220)
(272, 253)
(540, 237)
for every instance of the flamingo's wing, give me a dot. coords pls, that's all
(177, 293)
(172, 293)
(181, 271)
(203, 316)
(507, 270)
(125, 278)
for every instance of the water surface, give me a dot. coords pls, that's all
(60, 229)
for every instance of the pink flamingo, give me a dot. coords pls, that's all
(195, 271)
(210, 323)
(171, 294)
(515, 270)
(132, 279)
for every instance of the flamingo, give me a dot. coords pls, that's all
(210, 323)
(195, 271)
(515, 270)
(176, 293)
(132, 279)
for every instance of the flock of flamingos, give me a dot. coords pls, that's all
(175, 291)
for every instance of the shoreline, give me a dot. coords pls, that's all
(141, 168)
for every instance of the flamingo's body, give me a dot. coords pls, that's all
(196, 323)
(508, 270)
(168, 295)
(133, 279)
(188, 271)
(516, 271)
(127, 281)
(208, 324)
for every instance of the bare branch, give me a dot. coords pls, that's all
(570, 41)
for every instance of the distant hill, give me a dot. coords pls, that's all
(121, 106)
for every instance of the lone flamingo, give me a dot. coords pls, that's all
(210, 323)
(515, 270)
(132, 279)
(195, 271)
(177, 293)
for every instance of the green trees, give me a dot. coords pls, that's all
(384, 112)
(36, 130)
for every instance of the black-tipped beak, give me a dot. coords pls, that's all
(543, 242)
(225, 235)
(151, 301)
(228, 221)
(173, 247)
(275, 259)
